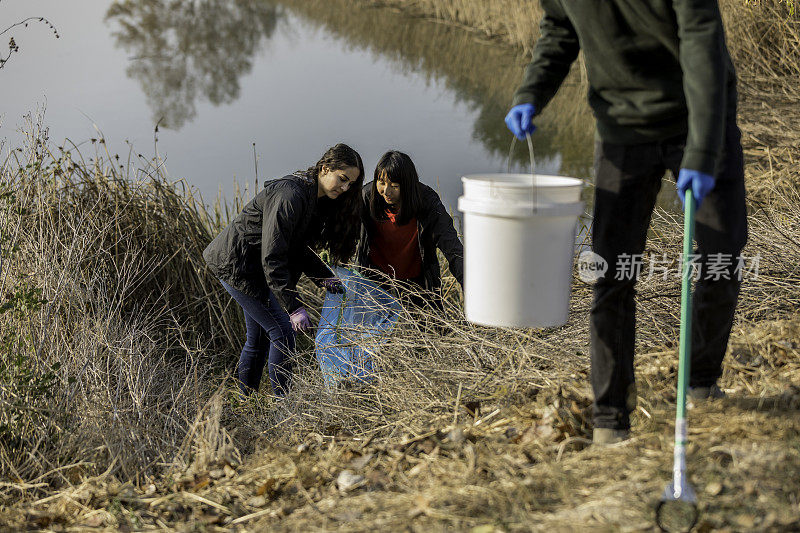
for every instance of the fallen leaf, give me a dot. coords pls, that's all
(257, 501)
(378, 480)
(416, 470)
(347, 480)
(422, 506)
(456, 435)
(268, 487)
(201, 483)
(714, 488)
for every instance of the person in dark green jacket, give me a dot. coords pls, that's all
(663, 90)
(260, 256)
(403, 224)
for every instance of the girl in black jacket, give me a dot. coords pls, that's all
(404, 222)
(260, 255)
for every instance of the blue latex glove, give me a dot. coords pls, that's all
(519, 118)
(700, 183)
(333, 285)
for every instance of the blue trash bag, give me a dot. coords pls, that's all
(352, 328)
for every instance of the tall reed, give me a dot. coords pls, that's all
(123, 327)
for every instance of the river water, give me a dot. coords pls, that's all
(240, 87)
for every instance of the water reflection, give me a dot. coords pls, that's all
(182, 51)
(481, 74)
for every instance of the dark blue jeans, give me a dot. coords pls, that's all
(628, 178)
(270, 339)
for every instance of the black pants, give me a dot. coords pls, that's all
(628, 178)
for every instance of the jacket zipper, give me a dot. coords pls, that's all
(421, 253)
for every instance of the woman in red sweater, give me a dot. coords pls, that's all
(404, 223)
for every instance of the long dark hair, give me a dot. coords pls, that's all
(397, 168)
(341, 220)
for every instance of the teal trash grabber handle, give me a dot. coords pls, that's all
(679, 489)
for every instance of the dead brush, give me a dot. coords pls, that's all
(512, 464)
(511, 21)
(429, 359)
(764, 39)
(129, 320)
(460, 419)
(434, 361)
(208, 451)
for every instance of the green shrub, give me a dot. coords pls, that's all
(26, 384)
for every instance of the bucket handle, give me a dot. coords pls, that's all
(534, 192)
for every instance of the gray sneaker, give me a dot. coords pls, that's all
(706, 393)
(609, 436)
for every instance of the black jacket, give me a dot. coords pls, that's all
(435, 230)
(266, 247)
(656, 69)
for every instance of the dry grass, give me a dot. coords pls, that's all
(764, 40)
(511, 21)
(506, 464)
(130, 323)
(477, 426)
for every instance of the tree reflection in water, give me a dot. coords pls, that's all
(480, 74)
(182, 50)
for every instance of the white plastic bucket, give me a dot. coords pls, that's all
(519, 241)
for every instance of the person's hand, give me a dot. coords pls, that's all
(333, 285)
(519, 119)
(299, 319)
(700, 182)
